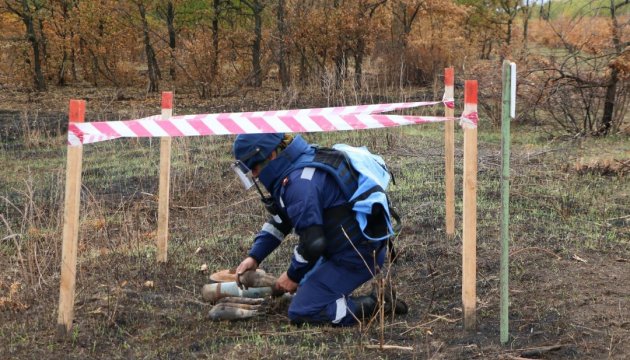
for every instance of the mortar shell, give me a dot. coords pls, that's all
(238, 300)
(225, 312)
(214, 292)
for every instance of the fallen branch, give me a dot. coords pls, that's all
(535, 352)
(444, 318)
(292, 333)
(437, 317)
(389, 347)
(535, 248)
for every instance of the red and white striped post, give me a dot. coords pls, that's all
(469, 246)
(165, 181)
(72, 205)
(449, 151)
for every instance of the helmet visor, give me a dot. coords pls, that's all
(243, 173)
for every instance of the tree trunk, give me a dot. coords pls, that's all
(358, 63)
(63, 67)
(527, 11)
(256, 46)
(303, 65)
(73, 61)
(73, 55)
(339, 59)
(214, 66)
(609, 103)
(42, 40)
(153, 69)
(548, 10)
(170, 23)
(283, 70)
(508, 37)
(611, 89)
(94, 68)
(486, 49)
(27, 18)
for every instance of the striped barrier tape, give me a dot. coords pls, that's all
(303, 120)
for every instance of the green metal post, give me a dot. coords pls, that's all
(507, 111)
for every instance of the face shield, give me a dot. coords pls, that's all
(244, 174)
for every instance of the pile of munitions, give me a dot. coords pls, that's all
(238, 297)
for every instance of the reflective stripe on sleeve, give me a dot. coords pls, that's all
(270, 228)
(299, 257)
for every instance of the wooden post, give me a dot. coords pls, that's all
(449, 151)
(469, 247)
(507, 113)
(165, 181)
(72, 205)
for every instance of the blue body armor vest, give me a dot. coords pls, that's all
(361, 175)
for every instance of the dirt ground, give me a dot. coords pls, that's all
(568, 300)
(561, 308)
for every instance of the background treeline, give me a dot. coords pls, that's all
(573, 56)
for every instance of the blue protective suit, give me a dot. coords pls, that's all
(308, 193)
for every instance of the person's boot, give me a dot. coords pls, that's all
(393, 305)
(366, 306)
(397, 307)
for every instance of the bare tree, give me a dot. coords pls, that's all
(172, 36)
(152, 64)
(582, 88)
(256, 7)
(27, 11)
(217, 11)
(281, 52)
(366, 13)
(527, 13)
(618, 48)
(64, 31)
(509, 10)
(405, 13)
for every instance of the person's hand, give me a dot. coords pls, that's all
(248, 264)
(284, 284)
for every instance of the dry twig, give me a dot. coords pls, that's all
(535, 248)
(389, 347)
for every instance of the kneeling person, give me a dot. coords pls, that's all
(335, 201)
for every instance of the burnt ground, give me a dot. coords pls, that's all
(569, 270)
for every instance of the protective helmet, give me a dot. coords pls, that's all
(252, 149)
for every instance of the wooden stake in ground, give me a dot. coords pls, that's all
(70, 226)
(469, 246)
(449, 151)
(165, 181)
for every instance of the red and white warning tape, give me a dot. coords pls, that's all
(303, 120)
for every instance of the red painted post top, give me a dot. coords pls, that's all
(167, 100)
(470, 92)
(449, 76)
(77, 111)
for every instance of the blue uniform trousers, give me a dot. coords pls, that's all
(323, 295)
